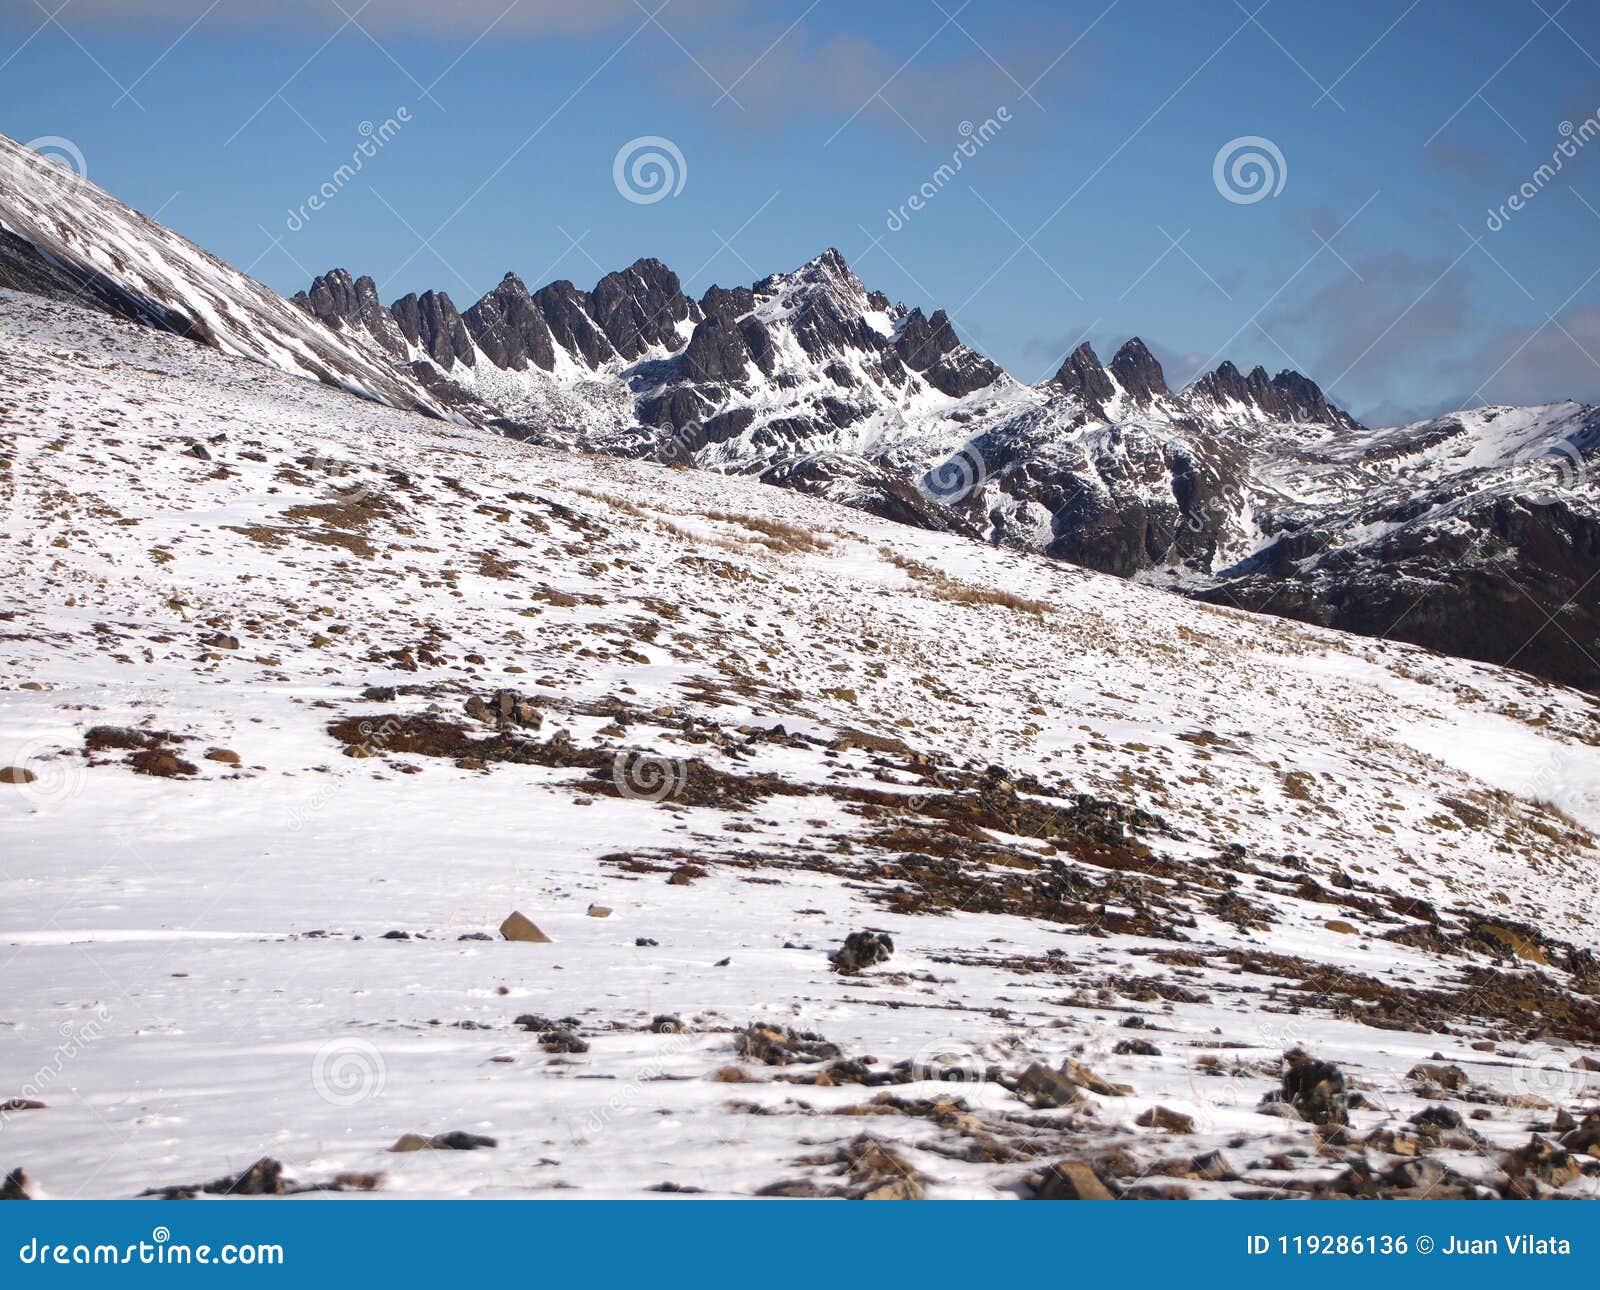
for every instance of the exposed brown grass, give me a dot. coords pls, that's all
(944, 587)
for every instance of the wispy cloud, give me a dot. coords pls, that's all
(925, 86)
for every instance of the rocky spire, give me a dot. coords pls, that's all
(1135, 369)
(1084, 376)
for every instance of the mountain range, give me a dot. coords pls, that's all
(410, 787)
(1476, 534)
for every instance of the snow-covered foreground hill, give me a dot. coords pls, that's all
(302, 696)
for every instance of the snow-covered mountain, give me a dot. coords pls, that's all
(1477, 534)
(63, 236)
(1124, 894)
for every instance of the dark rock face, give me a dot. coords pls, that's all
(640, 308)
(1288, 396)
(431, 322)
(727, 303)
(1083, 376)
(1486, 587)
(341, 302)
(1136, 371)
(929, 346)
(510, 329)
(563, 307)
(716, 352)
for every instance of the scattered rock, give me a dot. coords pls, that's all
(162, 764)
(1438, 1117)
(224, 755)
(16, 775)
(599, 911)
(666, 1024)
(1071, 1180)
(20, 1104)
(861, 950)
(1543, 1160)
(1159, 1117)
(395, 936)
(1452, 1078)
(1315, 1089)
(17, 1186)
(1421, 1174)
(264, 1178)
(1086, 1078)
(1042, 1087)
(455, 1140)
(1136, 1048)
(533, 1021)
(562, 1041)
(644, 942)
(1213, 1166)
(779, 1046)
(684, 874)
(1585, 1139)
(518, 927)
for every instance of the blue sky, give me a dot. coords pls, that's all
(1093, 211)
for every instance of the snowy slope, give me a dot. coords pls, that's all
(1101, 824)
(61, 233)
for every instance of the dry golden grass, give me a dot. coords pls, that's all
(944, 587)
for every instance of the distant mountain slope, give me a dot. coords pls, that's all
(61, 235)
(1476, 534)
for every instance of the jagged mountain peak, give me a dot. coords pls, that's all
(1288, 396)
(1136, 370)
(1084, 376)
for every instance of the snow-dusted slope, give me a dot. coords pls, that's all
(1102, 825)
(61, 234)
